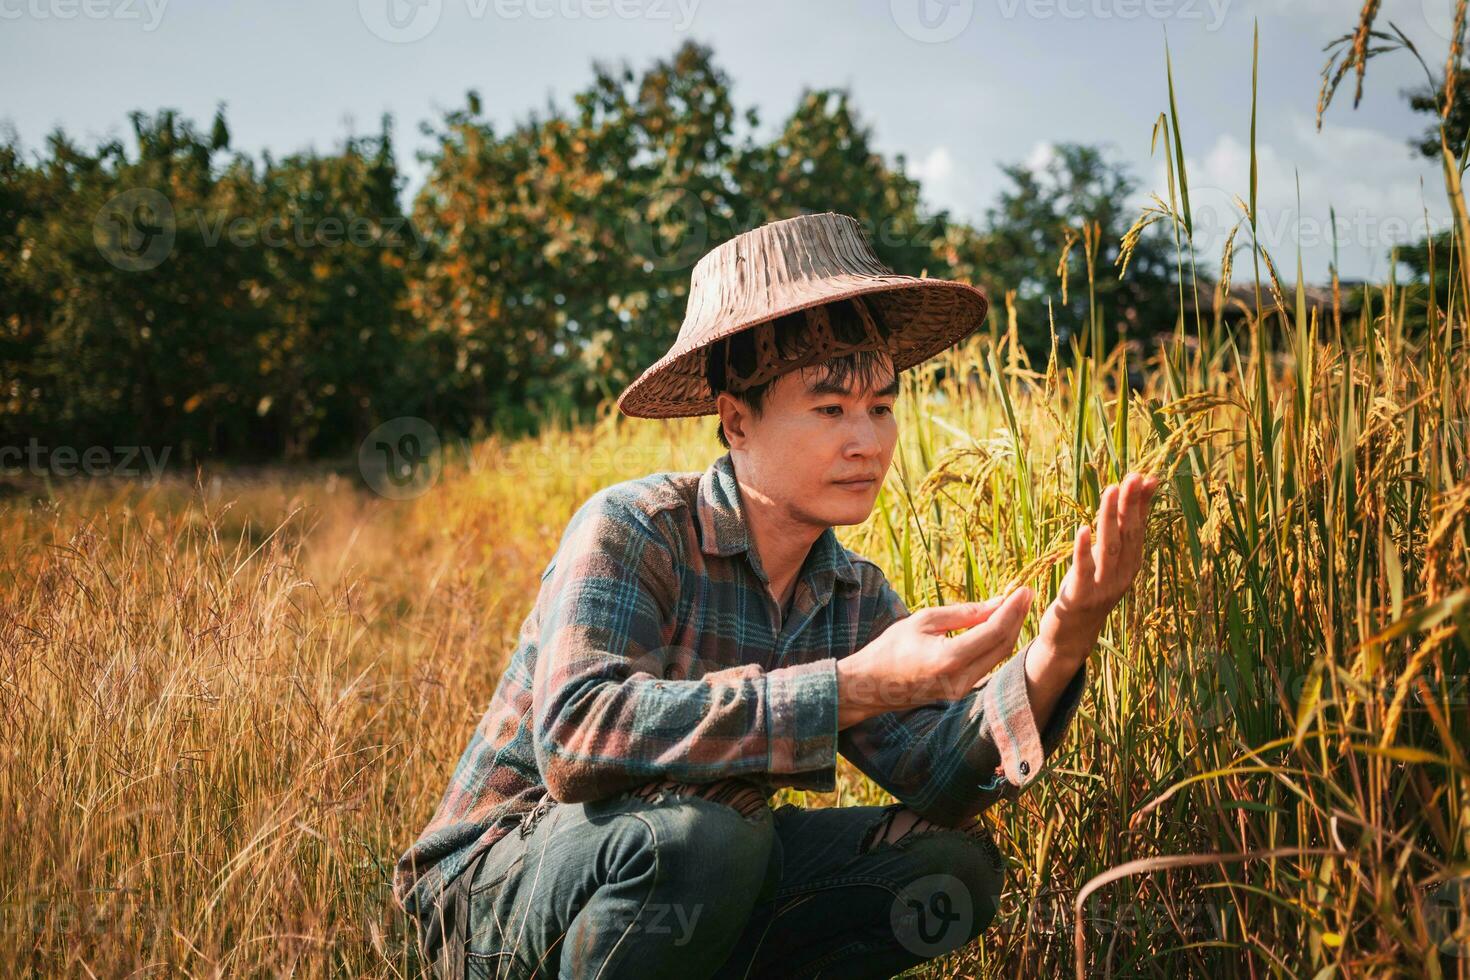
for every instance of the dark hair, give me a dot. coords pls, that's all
(790, 334)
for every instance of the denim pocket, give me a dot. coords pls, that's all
(491, 966)
(468, 909)
(503, 859)
(489, 902)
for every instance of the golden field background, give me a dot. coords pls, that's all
(231, 704)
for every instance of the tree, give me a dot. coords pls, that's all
(1430, 100)
(185, 294)
(1025, 234)
(548, 258)
(334, 350)
(561, 251)
(824, 161)
(181, 297)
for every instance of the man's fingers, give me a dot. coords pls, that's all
(1005, 621)
(1128, 496)
(1130, 511)
(981, 659)
(1082, 554)
(1136, 517)
(1135, 489)
(1107, 531)
(1008, 635)
(1139, 517)
(957, 615)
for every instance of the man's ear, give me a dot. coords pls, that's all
(733, 415)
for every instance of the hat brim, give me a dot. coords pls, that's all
(926, 317)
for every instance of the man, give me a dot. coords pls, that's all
(701, 639)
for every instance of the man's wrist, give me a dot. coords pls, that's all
(1068, 645)
(851, 706)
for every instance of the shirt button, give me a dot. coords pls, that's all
(1025, 768)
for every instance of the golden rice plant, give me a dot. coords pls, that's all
(231, 702)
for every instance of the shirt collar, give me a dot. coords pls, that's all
(723, 529)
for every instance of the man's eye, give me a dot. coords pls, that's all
(830, 409)
(883, 409)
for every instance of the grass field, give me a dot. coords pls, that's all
(230, 703)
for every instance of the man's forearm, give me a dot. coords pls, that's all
(1051, 663)
(856, 700)
(596, 734)
(1050, 666)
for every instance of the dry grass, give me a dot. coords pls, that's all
(230, 706)
(229, 710)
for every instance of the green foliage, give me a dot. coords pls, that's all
(1429, 99)
(1029, 228)
(185, 295)
(562, 250)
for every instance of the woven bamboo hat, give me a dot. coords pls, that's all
(800, 264)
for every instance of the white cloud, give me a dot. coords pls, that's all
(961, 188)
(1042, 154)
(1424, 21)
(937, 166)
(1369, 177)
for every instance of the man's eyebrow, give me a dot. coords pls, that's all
(832, 388)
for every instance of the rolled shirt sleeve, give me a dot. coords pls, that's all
(607, 718)
(949, 760)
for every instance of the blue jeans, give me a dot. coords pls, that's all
(683, 886)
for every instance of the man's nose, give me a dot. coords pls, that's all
(863, 440)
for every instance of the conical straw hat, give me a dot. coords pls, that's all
(786, 266)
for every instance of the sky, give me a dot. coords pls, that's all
(957, 87)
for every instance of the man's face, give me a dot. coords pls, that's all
(813, 439)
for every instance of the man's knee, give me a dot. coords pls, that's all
(954, 877)
(720, 848)
(710, 835)
(651, 874)
(959, 873)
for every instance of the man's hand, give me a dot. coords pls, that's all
(913, 662)
(1102, 570)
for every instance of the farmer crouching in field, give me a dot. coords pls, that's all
(702, 639)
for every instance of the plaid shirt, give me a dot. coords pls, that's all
(655, 651)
